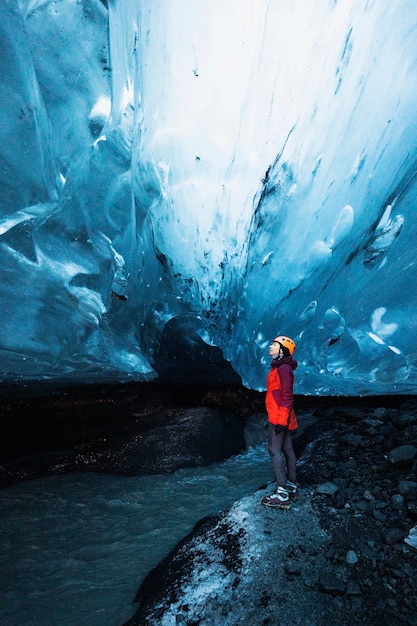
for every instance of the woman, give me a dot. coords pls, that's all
(282, 421)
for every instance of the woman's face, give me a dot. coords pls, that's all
(274, 349)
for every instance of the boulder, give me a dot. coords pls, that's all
(241, 567)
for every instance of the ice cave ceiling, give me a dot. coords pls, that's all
(207, 174)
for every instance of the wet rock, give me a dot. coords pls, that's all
(127, 429)
(167, 441)
(403, 455)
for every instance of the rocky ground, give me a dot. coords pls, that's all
(362, 473)
(344, 554)
(339, 557)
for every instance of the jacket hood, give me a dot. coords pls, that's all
(288, 360)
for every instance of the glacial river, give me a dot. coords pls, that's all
(75, 547)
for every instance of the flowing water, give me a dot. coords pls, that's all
(75, 547)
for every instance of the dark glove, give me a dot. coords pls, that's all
(279, 428)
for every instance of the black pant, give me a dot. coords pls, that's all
(282, 454)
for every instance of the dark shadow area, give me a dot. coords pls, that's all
(185, 358)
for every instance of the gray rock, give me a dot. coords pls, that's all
(353, 441)
(403, 455)
(189, 437)
(351, 557)
(364, 506)
(351, 464)
(353, 588)
(329, 582)
(328, 489)
(373, 423)
(408, 488)
(292, 569)
(368, 496)
(395, 535)
(310, 579)
(232, 568)
(397, 501)
(406, 420)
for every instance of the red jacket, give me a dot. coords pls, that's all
(279, 393)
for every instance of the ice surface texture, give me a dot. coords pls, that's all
(219, 172)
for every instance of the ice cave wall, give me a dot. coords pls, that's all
(213, 170)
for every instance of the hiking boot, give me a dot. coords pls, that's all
(278, 500)
(292, 489)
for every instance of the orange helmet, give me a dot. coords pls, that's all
(286, 342)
